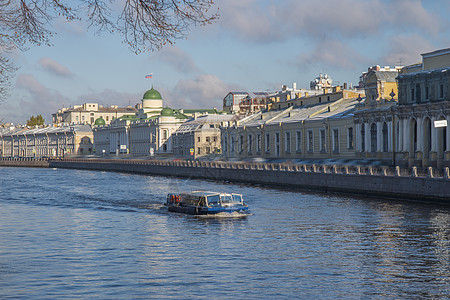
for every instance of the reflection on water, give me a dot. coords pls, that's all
(84, 234)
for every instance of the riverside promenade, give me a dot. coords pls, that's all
(408, 184)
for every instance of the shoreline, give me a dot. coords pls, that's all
(387, 182)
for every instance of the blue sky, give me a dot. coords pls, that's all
(254, 46)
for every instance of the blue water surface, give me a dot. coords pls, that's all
(71, 234)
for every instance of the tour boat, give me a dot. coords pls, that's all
(205, 203)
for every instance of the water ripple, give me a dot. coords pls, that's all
(82, 234)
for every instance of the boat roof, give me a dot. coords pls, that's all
(207, 193)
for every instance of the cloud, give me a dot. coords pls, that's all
(203, 91)
(407, 14)
(110, 97)
(33, 99)
(330, 53)
(267, 23)
(250, 20)
(54, 67)
(178, 59)
(406, 50)
(74, 27)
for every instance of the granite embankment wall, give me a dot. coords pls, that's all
(24, 162)
(410, 184)
(381, 181)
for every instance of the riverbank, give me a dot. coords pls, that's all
(431, 186)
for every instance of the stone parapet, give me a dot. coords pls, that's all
(405, 183)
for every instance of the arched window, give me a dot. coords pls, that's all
(373, 137)
(385, 137)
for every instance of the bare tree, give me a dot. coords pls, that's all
(144, 24)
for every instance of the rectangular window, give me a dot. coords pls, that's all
(298, 142)
(441, 91)
(277, 144)
(258, 142)
(198, 151)
(412, 94)
(335, 140)
(249, 143)
(322, 140)
(427, 93)
(350, 138)
(208, 139)
(287, 141)
(208, 150)
(198, 139)
(310, 141)
(268, 142)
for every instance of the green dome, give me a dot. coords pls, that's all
(99, 122)
(167, 112)
(152, 95)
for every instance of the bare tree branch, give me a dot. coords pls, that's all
(144, 24)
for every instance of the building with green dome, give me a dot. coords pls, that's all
(99, 122)
(149, 132)
(151, 104)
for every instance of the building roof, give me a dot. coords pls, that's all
(152, 94)
(99, 122)
(44, 130)
(337, 109)
(196, 123)
(167, 112)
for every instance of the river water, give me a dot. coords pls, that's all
(71, 234)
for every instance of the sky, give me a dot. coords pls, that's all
(256, 45)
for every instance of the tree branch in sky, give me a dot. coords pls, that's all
(146, 25)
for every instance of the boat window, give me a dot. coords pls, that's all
(237, 198)
(226, 199)
(212, 200)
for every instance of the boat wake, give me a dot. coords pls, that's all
(234, 214)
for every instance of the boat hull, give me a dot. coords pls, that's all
(194, 210)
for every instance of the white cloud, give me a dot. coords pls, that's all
(262, 22)
(250, 20)
(332, 54)
(410, 14)
(406, 50)
(54, 67)
(32, 99)
(111, 97)
(177, 58)
(203, 91)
